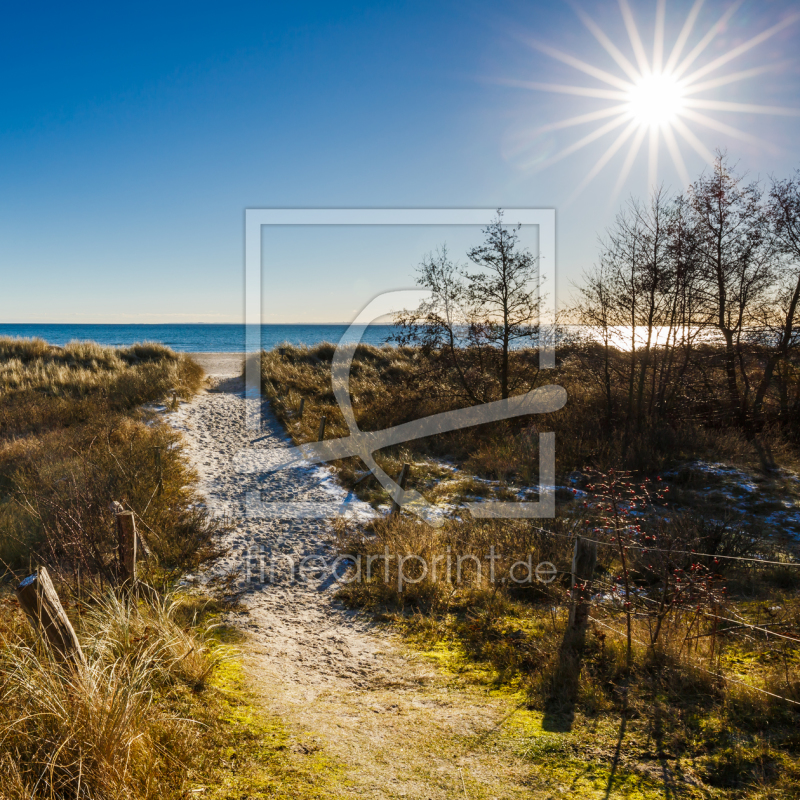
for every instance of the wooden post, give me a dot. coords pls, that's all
(142, 550)
(39, 601)
(584, 559)
(321, 434)
(401, 482)
(302, 406)
(131, 547)
(126, 544)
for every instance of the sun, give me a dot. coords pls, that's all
(656, 100)
(660, 94)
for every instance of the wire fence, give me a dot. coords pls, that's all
(753, 559)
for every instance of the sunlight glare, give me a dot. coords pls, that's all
(656, 100)
(659, 92)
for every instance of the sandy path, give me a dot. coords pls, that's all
(401, 727)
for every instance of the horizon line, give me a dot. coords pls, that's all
(159, 324)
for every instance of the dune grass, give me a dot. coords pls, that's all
(132, 375)
(107, 728)
(160, 711)
(74, 437)
(391, 385)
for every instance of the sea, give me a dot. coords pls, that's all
(215, 338)
(197, 338)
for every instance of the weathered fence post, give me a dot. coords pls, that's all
(321, 434)
(142, 550)
(39, 601)
(584, 559)
(126, 545)
(302, 406)
(125, 522)
(402, 478)
(127, 541)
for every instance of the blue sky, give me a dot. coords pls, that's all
(132, 139)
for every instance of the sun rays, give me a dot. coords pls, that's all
(657, 96)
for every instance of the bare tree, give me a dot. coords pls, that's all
(781, 324)
(597, 310)
(738, 267)
(440, 327)
(695, 310)
(474, 320)
(503, 297)
(685, 311)
(632, 294)
(654, 284)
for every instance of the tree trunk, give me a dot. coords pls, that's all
(730, 377)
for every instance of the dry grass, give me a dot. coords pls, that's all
(109, 730)
(392, 385)
(74, 437)
(690, 707)
(130, 375)
(159, 712)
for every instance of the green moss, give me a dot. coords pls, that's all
(253, 753)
